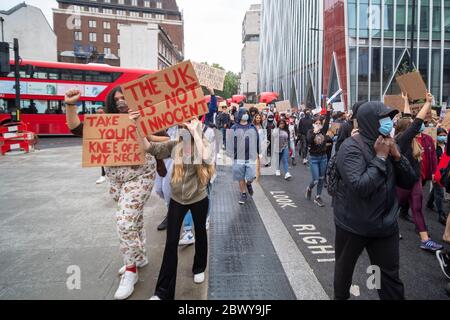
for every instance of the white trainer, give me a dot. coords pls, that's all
(199, 278)
(187, 239)
(101, 180)
(155, 298)
(126, 286)
(278, 173)
(288, 176)
(139, 264)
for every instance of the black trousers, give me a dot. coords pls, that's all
(165, 287)
(303, 149)
(383, 252)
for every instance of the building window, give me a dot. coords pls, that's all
(134, 2)
(106, 25)
(92, 37)
(77, 23)
(147, 15)
(147, 4)
(107, 51)
(77, 8)
(121, 12)
(107, 1)
(159, 17)
(107, 38)
(159, 5)
(118, 53)
(134, 14)
(92, 24)
(78, 36)
(121, 2)
(107, 11)
(93, 9)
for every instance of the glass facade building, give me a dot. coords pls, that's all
(291, 50)
(312, 48)
(379, 41)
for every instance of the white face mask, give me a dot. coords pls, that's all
(245, 118)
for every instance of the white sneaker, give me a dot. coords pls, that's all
(288, 176)
(101, 180)
(126, 286)
(207, 223)
(278, 173)
(140, 264)
(187, 239)
(199, 278)
(305, 161)
(155, 298)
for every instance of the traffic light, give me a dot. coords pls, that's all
(5, 67)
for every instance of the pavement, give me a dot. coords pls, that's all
(54, 219)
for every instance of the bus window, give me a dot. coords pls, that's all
(55, 107)
(3, 106)
(91, 107)
(95, 76)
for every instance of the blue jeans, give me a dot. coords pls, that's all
(284, 159)
(188, 221)
(318, 166)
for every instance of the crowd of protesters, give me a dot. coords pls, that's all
(374, 161)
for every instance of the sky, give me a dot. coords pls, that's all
(213, 28)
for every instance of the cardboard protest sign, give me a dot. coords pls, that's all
(432, 132)
(167, 98)
(111, 140)
(412, 83)
(209, 76)
(283, 106)
(446, 122)
(395, 102)
(261, 106)
(248, 106)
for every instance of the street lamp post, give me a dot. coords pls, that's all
(2, 20)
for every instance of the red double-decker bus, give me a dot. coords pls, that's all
(43, 84)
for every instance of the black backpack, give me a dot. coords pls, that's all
(332, 175)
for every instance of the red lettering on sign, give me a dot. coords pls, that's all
(184, 75)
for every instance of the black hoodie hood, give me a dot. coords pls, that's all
(369, 116)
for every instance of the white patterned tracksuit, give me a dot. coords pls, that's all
(131, 187)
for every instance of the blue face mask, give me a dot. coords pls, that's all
(245, 117)
(442, 139)
(386, 126)
(422, 128)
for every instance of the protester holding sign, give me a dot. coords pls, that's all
(193, 169)
(407, 133)
(130, 187)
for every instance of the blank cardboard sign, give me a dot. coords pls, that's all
(283, 106)
(412, 83)
(395, 102)
(110, 140)
(167, 98)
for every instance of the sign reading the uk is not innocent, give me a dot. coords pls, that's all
(111, 140)
(167, 98)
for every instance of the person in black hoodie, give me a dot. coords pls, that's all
(318, 160)
(304, 126)
(370, 167)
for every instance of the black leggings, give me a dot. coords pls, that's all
(165, 287)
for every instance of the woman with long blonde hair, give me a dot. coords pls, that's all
(194, 166)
